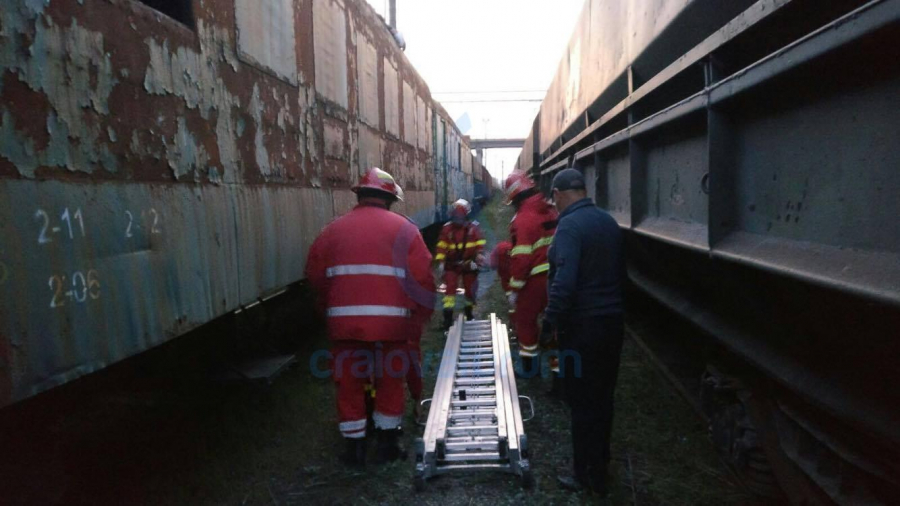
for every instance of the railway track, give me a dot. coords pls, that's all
(681, 354)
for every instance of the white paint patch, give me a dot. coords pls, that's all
(195, 78)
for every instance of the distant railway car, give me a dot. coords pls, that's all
(165, 163)
(749, 150)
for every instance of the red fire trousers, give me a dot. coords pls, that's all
(530, 303)
(357, 364)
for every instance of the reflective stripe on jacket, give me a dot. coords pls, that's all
(531, 231)
(371, 272)
(459, 244)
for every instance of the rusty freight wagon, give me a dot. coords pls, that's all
(749, 149)
(165, 162)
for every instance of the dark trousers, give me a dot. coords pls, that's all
(595, 342)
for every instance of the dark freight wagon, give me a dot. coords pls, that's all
(750, 149)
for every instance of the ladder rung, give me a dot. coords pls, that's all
(471, 457)
(473, 421)
(477, 372)
(474, 357)
(460, 418)
(491, 401)
(472, 446)
(473, 430)
(475, 391)
(473, 439)
(474, 365)
(474, 381)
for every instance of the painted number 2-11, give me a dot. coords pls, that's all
(70, 224)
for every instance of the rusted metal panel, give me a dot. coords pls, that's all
(419, 206)
(429, 120)
(265, 33)
(618, 186)
(330, 39)
(466, 160)
(410, 130)
(274, 229)
(424, 125)
(367, 77)
(343, 201)
(370, 148)
(335, 141)
(391, 98)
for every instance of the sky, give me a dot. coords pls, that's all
(487, 46)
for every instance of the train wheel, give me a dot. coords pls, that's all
(734, 434)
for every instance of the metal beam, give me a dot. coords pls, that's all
(479, 144)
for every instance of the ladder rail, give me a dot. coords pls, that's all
(498, 382)
(436, 426)
(475, 421)
(517, 432)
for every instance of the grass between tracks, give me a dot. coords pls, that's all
(181, 443)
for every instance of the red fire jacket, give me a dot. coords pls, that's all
(531, 232)
(459, 245)
(372, 274)
(500, 261)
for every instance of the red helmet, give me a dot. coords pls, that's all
(377, 179)
(460, 210)
(516, 183)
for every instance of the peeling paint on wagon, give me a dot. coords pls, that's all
(70, 67)
(200, 175)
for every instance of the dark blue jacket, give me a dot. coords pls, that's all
(587, 265)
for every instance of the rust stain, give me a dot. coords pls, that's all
(99, 91)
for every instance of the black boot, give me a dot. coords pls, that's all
(469, 315)
(355, 453)
(389, 449)
(448, 319)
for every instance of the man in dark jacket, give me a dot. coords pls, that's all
(584, 311)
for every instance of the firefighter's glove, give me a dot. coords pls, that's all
(511, 297)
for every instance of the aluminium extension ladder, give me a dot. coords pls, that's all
(474, 422)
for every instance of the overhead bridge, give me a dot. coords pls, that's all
(479, 145)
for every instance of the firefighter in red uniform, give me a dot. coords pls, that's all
(372, 274)
(531, 232)
(459, 255)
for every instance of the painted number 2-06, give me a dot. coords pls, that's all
(150, 219)
(81, 288)
(72, 221)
